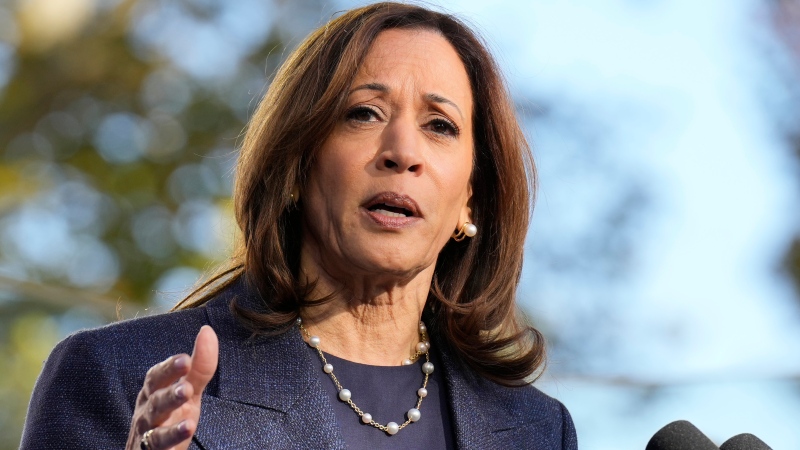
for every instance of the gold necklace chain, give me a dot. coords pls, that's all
(345, 395)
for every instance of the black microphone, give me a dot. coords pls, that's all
(680, 435)
(744, 441)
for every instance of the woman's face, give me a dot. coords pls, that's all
(391, 183)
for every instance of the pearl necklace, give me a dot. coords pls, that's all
(413, 414)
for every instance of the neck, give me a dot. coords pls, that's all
(367, 320)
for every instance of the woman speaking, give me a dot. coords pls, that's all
(383, 193)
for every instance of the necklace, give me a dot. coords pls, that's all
(345, 395)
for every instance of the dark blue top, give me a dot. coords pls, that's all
(387, 393)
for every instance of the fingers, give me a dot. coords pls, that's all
(204, 359)
(163, 438)
(164, 373)
(171, 393)
(164, 401)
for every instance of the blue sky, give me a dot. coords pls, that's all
(679, 94)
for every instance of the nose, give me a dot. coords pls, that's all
(401, 147)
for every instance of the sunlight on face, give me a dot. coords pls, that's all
(391, 183)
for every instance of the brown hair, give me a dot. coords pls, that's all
(471, 305)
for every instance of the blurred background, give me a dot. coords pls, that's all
(663, 263)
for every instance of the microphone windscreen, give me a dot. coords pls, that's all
(744, 441)
(680, 435)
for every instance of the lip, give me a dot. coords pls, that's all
(395, 200)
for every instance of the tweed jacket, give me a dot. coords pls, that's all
(265, 394)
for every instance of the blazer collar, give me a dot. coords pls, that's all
(266, 393)
(488, 415)
(475, 411)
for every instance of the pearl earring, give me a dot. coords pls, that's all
(466, 230)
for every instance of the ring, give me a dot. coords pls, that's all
(145, 442)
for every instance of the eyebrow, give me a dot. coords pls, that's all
(371, 87)
(435, 98)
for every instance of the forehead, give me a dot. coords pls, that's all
(417, 60)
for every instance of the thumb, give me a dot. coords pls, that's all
(204, 359)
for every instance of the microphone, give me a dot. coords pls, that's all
(681, 435)
(744, 441)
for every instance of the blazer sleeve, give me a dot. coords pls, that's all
(78, 401)
(569, 438)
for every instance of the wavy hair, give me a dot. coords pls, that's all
(471, 305)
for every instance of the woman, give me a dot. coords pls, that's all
(383, 194)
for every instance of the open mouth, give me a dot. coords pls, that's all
(391, 204)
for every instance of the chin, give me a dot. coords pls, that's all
(392, 262)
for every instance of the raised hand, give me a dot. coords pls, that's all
(168, 406)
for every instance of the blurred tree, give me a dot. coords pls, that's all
(785, 21)
(120, 120)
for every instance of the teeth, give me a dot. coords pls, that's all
(389, 213)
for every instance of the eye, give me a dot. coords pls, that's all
(362, 114)
(444, 127)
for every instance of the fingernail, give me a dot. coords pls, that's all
(179, 391)
(182, 427)
(181, 362)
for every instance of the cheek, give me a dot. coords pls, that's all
(331, 188)
(341, 160)
(454, 194)
(457, 178)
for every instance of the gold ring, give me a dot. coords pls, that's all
(145, 443)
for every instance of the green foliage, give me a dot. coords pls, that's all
(23, 348)
(115, 167)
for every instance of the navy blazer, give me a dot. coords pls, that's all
(265, 394)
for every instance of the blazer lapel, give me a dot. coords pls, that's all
(265, 393)
(474, 412)
(489, 416)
